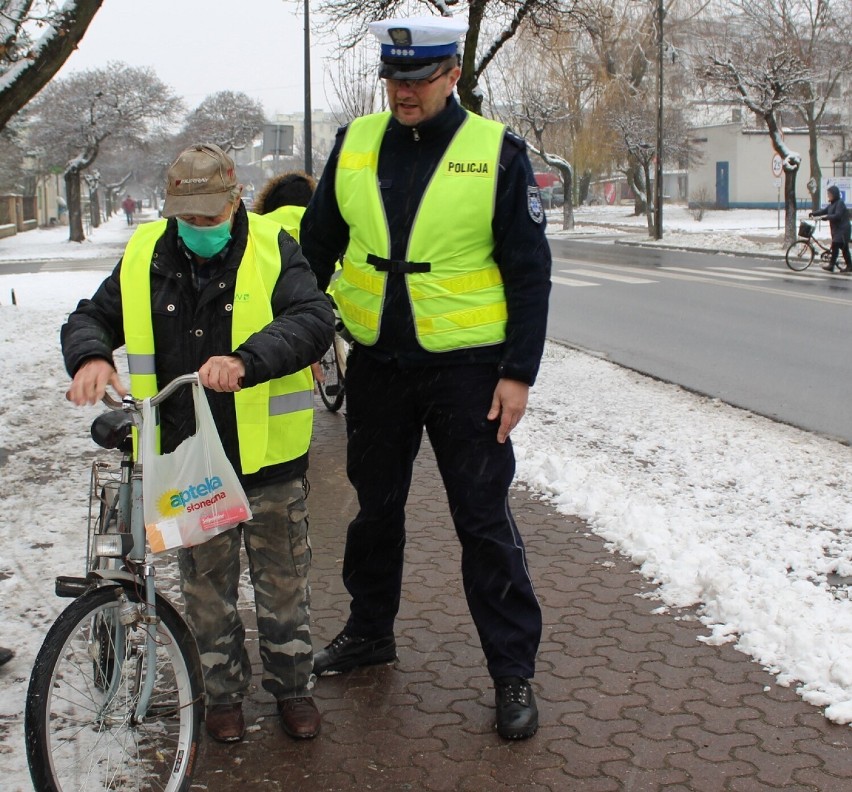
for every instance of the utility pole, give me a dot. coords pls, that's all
(308, 141)
(658, 173)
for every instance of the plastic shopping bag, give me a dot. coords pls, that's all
(193, 493)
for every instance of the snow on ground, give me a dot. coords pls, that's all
(725, 510)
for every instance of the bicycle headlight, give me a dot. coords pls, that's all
(112, 545)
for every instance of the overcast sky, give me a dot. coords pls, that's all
(199, 47)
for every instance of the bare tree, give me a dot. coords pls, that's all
(356, 85)
(12, 153)
(73, 117)
(816, 33)
(536, 103)
(230, 119)
(28, 63)
(491, 23)
(748, 67)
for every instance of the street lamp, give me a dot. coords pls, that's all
(658, 173)
(308, 142)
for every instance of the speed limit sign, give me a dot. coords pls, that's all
(777, 165)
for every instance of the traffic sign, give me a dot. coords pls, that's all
(777, 165)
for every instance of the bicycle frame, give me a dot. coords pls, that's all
(135, 571)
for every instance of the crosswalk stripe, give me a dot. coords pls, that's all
(606, 276)
(705, 273)
(571, 281)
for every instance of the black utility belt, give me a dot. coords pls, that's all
(396, 265)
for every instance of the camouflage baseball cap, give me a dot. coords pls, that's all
(201, 181)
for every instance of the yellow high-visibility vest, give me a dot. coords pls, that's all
(289, 218)
(275, 418)
(460, 302)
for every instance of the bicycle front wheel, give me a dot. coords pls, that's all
(331, 389)
(799, 255)
(81, 726)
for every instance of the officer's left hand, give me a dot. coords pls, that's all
(223, 373)
(509, 403)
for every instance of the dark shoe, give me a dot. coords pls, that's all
(300, 717)
(828, 267)
(346, 652)
(5, 655)
(225, 722)
(517, 714)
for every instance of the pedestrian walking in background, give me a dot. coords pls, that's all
(172, 300)
(838, 221)
(444, 287)
(129, 206)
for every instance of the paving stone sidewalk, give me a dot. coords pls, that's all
(630, 699)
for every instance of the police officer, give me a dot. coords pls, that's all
(218, 290)
(445, 288)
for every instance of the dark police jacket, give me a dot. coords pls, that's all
(408, 157)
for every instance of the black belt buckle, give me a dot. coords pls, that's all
(396, 265)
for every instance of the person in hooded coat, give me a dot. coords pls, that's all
(838, 220)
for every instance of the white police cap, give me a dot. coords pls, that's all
(413, 47)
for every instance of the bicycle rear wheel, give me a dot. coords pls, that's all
(799, 255)
(81, 729)
(331, 389)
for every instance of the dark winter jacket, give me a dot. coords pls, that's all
(191, 325)
(838, 218)
(407, 160)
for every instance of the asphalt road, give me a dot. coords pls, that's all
(747, 331)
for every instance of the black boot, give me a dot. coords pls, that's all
(347, 652)
(517, 713)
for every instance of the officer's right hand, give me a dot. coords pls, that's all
(91, 380)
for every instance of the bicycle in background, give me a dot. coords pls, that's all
(801, 253)
(331, 377)
(115, 699)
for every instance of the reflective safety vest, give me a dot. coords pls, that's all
(275, 418)
(289, 218)
(454, 285)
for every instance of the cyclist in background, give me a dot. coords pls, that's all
(838, 220)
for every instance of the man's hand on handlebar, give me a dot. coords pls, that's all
(223, 373)
(91, 380)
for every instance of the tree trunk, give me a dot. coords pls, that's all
(649, 207)
(816, 170)
(469, 97)
(790, 206)
(567, 200)
(95, 208)
(75, 208)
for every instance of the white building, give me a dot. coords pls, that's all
(739, 169)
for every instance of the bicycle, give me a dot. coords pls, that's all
(115, 699)
(332, 385)
(800, 254)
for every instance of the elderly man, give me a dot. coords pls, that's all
(445, 286)
(217, 290)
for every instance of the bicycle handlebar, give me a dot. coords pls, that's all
(168, 390)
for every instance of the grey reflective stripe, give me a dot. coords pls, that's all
(141, 364)
(291, 402)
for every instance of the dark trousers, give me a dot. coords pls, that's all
(387, 410)
(836, 249)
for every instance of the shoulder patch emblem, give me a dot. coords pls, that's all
(534, 206)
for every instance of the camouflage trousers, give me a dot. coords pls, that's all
(279, 558)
